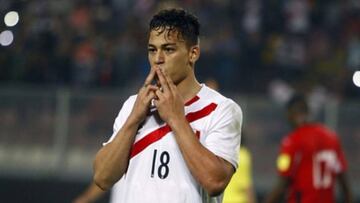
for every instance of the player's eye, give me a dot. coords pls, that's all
(151, 50)
(169, 49)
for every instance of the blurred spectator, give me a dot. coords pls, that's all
(91, 43)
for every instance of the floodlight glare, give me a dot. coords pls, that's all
(6, 38)
(11, 18)
(356, 78)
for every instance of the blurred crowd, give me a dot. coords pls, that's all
(247, 45)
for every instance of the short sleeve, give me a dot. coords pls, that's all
(341, 164)
(285, 160)
(121, 117)
(224, 133)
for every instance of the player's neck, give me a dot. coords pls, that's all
(189, 87)
(300, 123)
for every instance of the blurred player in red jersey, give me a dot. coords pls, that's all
(310, 161)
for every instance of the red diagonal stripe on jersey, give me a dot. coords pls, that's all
(162, 131)
(191, 101)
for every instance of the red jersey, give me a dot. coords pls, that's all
(311, 156)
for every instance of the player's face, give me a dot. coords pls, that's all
(295, 116)
(169, 52)
(291, 116)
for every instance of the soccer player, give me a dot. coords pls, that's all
(310, 161)
(176, 140)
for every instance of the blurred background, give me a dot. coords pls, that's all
(66, 67)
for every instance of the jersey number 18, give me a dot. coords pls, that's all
(163, 169)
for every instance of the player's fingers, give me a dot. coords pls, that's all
(159, 97)
(145, 89)
(159, 94)
(150, 77)
(162, 80)
(169, 82)
(151, 88)
(156, 102)
(150, 96)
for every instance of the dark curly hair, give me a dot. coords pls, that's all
(186, 24)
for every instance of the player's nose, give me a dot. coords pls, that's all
(159, 58)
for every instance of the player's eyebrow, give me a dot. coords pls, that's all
(168, 44)
(163, 45)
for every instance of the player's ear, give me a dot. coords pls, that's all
(194, 53)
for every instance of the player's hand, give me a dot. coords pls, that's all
(144, 97)
(82, 199)
(168, 101)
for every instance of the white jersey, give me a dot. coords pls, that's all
(157, 171)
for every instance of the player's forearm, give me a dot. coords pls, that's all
(345, 188)
(91, 194)
(210, 171)
(112, 160)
